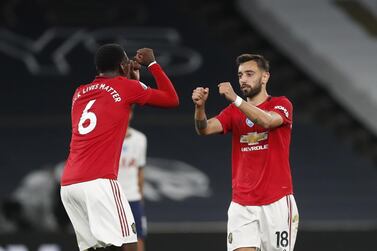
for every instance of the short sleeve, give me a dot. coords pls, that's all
(284, 108)
(225, 118)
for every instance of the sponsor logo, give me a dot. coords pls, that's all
(254, 148)
(249, 123)
(282, 108)
(253, 138)
(230, 238)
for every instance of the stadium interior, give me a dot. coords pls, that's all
(323, 57)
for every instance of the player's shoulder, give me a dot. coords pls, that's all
(81, 86)
(129, 83)
(231, 107)
(282, 104)
(280, 99)
(127, 80)
(124, 79)
(229, 110)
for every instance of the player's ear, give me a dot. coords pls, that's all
(265, 77)
(124, 68)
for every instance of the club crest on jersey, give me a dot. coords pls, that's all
(249, 123)
(253, 138)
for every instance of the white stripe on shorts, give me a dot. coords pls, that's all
(120, 208)
(289, 204)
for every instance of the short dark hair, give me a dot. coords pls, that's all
(109, 56)
(262, 63)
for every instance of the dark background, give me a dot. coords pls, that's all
(335, 184)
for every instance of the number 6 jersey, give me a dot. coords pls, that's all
(100, 114)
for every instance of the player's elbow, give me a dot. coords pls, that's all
(202, 132)
(176, 102)
(266, 125)
(169, 102)
(270, 124)
(173, 102)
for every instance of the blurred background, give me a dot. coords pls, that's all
(323, 57)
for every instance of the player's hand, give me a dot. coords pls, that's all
(200, 95)
(134, 70)
(226, 89)
(144, 56)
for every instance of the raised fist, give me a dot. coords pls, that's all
(226, 89)
(134, 70)
(200, 95)
(144, 56)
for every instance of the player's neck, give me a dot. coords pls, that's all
(259, 98)
(109, 74)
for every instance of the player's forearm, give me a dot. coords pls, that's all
(257, 115)
(200, 119)
(165, 86)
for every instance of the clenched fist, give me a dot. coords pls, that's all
(144, 56)
(226, 89)
(134, 70)
(200, 95)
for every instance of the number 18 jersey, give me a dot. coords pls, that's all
(100, 114)
(261, 172)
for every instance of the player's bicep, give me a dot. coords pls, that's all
(135, 92)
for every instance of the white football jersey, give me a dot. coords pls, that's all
(133, 156)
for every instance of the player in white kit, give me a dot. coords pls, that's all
(131, 178)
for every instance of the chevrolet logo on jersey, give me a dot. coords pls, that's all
(253, 138)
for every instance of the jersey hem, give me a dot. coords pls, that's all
(263, 203)
(67, 183)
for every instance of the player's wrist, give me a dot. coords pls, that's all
(200, 107)
(238, 101)
(152, 63)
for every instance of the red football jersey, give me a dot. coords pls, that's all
(100, 114)
(260, 157)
